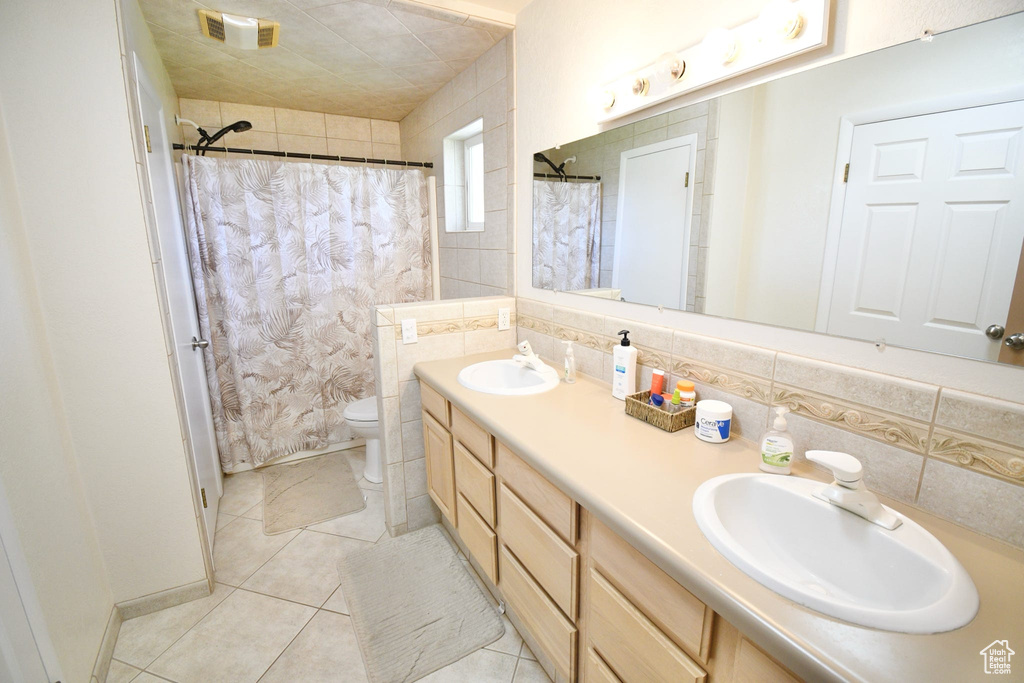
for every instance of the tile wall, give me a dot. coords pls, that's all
(445, 329)
(601, 154)
(951, 453)
(292, 130)
(474, 263)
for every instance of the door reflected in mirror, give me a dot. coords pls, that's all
(879, 198)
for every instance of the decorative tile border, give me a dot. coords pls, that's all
(977, 454)
(434, 327)
(746, 386)
(901, 432)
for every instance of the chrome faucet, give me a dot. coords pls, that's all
(527, 358)
(848, 490)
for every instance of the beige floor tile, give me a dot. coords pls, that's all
(529, 671)
(325, 650)
(241, 492)
(223, 520)
(146, 677)
(241, 548)
(119, 672)
(527, 653)
(337, 602)
(510, 643)
(255, 512)
(143, 639)
(357, 459)
(306, 570)
(237, 641)
(366, 525)
(483, 666)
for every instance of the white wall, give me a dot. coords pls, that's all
(555, 78)
(792, 160)
(37, 464)
(64, 101)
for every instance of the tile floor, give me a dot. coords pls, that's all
(278, 613)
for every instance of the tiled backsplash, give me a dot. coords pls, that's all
(445, 329)
(954, 454)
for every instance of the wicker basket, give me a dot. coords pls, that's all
(637, 406)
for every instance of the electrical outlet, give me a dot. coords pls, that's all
(504, 318)
(409, 331)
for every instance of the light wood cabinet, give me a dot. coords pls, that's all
(592, 606)
(437, 446)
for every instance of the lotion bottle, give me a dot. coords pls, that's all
(569, 373)
(777, 445)
(623, 368)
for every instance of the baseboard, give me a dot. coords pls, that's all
(302, 455)
(147, 604)
(106, 653)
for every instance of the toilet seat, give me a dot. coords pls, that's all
(363, 410)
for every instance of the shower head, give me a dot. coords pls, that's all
(207, 140)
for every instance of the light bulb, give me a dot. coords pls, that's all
(668, 69)
(607, 99)
(602, 99)
(720, 46)
(641, 86)
(781, 19)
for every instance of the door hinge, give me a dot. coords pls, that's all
(686, 182)
(203, 493)
(149, 147)
(846, 173)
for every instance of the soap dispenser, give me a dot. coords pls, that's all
(623, 368)
(777, 445)
(569, 374)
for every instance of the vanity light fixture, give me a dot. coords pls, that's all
(783, 29)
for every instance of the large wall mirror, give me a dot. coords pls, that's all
(879, 198)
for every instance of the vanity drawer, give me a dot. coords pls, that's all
(478, 537)
(549, 560)
(596, 671)
(675, 610)
(473, 437)
(476, 483)
(543, 497)
(629, 642)
(434, 403)
(555, 634)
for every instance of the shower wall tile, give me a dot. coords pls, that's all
(445, 329)
(293, 130)
(469, 261)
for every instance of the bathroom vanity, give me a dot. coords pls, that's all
(580, 519)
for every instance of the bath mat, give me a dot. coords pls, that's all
(414, 606)
(307, 492)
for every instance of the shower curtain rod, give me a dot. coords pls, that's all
(567, 177)
(305, 155)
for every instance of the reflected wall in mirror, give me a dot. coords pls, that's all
(879, 198)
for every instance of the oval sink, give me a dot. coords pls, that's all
(831, 560)
(508, 378)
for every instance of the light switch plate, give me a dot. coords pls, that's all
(504, 319)
(409, 331)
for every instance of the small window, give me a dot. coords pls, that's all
(464, 179)
(475, 182)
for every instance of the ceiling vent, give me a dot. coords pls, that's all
(244, 33)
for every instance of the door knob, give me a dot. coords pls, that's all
(1015, 341)
(995, 332)
(199, 343)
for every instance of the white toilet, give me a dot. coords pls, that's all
(361, 417)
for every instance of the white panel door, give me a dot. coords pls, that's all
(181, 301)
(652, 232)
(932, 229)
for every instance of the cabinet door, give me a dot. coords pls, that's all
(437, 444)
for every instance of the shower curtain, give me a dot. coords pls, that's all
(287, 260)
(566, 235)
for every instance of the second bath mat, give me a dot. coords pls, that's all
(308, 492)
